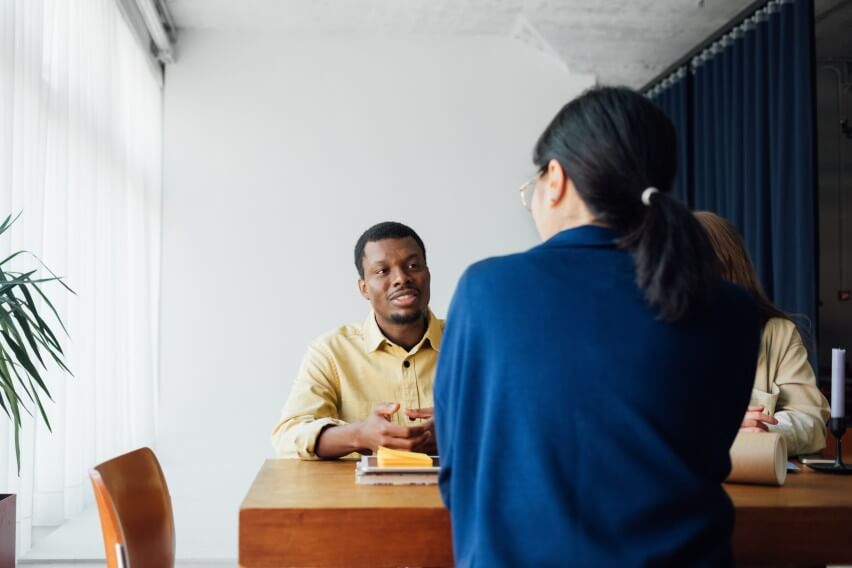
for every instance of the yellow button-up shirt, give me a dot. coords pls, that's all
(345, 373)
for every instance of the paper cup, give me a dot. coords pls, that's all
(759, 458)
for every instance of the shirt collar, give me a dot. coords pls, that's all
(585, 235)
(434, 332)
(374, 338)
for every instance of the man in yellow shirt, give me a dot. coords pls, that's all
(354, 381)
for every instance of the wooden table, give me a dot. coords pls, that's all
(313, 514)
(808, 521)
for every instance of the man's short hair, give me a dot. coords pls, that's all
(380, 232)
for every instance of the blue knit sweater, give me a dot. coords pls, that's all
(575, 427)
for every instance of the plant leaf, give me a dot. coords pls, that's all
(8, 222)
(11, 256)
(3, 405)
(41, 409)
(40, 323)
(22, 329)
(24, 359)
(6, 379)
(25, 324)
(21, 381)
(50, 305)
(16, 421)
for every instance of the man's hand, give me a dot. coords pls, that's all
(419, 413)
(756, 421)
(429, 446)
(378, 430)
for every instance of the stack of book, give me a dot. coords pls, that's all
(395, 467)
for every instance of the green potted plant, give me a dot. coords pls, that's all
(27, 343)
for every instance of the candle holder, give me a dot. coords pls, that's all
(838, 428)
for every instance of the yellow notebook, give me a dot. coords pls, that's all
(400, 458)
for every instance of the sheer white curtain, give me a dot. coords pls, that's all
(80, 157)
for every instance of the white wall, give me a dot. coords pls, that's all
(278, 154)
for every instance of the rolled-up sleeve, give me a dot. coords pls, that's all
(312, 406)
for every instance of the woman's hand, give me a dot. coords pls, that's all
(756, 421)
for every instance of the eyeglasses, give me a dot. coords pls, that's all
(527, 190)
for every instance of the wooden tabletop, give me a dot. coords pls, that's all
(808, 521)
(313, 514)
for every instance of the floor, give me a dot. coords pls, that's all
(79, 538)
(78, 544)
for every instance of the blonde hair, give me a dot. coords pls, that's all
(734, 261)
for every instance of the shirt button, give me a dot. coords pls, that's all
(406, 364)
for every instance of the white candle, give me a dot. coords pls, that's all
(838, 383)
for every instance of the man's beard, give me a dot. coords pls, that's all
(405, 319)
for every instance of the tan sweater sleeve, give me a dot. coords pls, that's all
(312, 405)
(801, 409)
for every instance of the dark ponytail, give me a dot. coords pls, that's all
(613, 143)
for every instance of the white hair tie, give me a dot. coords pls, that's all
(646, 195)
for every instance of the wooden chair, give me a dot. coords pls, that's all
(135, 510)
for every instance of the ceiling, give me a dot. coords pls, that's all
(618, 41)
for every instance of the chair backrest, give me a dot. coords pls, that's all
(135, 510)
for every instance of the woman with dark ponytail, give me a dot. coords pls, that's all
(622, 165)
(588, 390)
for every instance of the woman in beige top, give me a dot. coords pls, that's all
(785, 398)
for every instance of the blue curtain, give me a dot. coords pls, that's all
(674, 99)
(748, 126)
